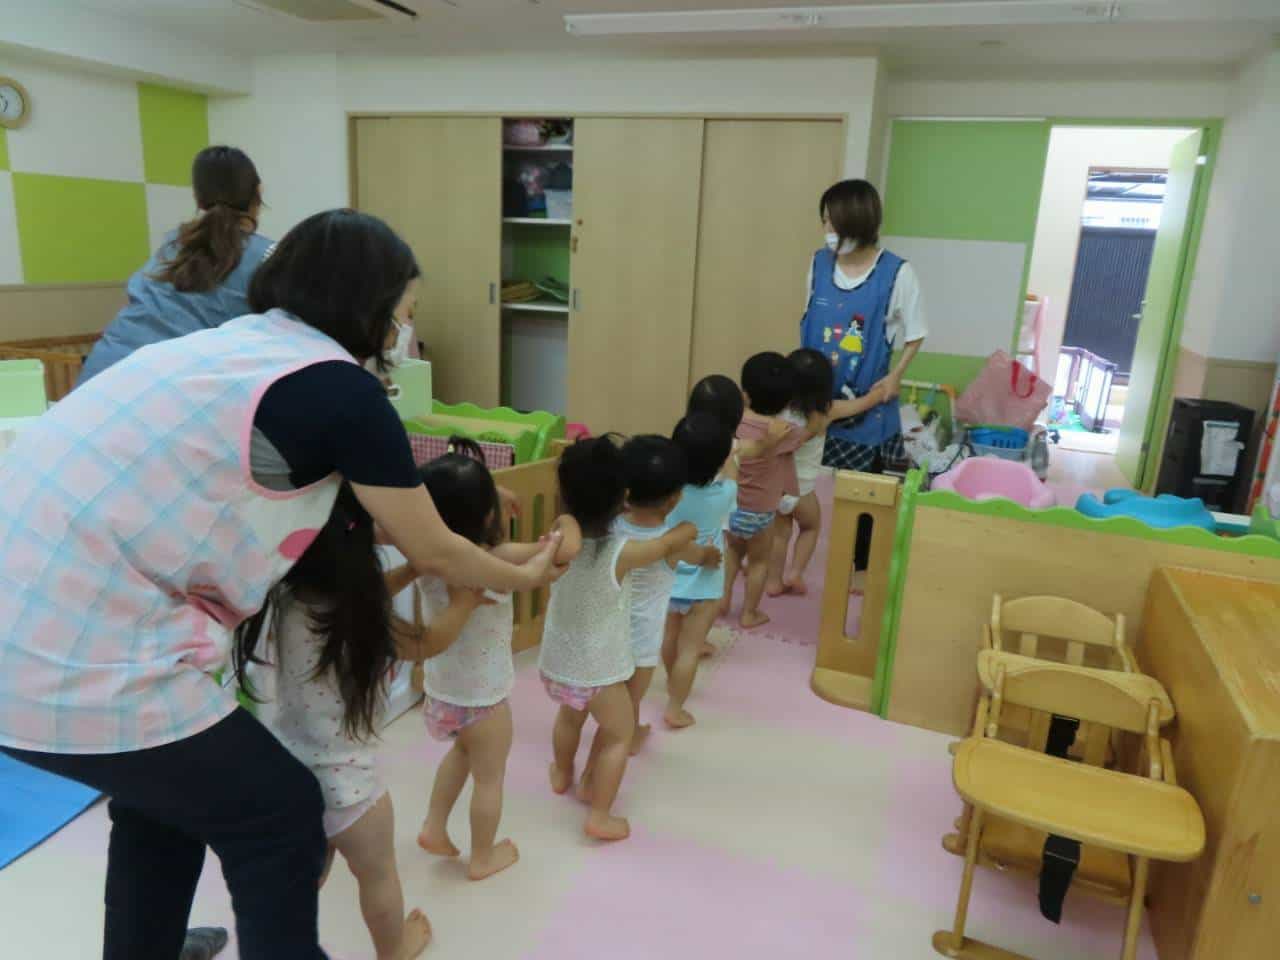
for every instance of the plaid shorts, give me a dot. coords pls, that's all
(847, 455)
(745, 524)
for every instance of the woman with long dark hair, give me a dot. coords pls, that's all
(199, 278)
(148, 514)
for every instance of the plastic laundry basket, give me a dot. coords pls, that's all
(1007, 443)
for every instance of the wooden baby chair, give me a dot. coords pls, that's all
(1141, 816)
(1057, 630)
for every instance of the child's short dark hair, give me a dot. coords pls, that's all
(706, 445)
(464, 492)
(812, 381)
(853, 208)
(655, 468)
(767, 380)
(593, 482)
(720, 396)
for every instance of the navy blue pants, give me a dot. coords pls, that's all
(232, 788)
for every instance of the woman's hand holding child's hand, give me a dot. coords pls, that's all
(542, 570)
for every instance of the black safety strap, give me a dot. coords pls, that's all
(1061, 856)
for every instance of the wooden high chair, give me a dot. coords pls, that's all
(1142, 816)
(1056, 630)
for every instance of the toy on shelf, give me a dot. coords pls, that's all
(1163, 512)
(986, 478)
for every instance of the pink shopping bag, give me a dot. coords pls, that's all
(1005, 393)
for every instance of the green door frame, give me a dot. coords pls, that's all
(1162, 398)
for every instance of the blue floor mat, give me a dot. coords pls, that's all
(35, 805)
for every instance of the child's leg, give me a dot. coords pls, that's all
(758, 548)
(693, 633)
(614, 711)
(734, 548)
(369, 848)
(451, 776)
(775, 583)
(565, 736)
(488, 742)
(670, 633)
(808, 516)
(638, 686)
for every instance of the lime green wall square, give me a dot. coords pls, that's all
(965, 180)
(175, 127)
(75, 230)
(4, 151)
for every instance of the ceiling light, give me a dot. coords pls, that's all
(879, 16)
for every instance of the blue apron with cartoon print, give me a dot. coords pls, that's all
(848, 327)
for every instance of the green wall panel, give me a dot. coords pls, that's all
(539, 252)
(175, 127)
(965, 180)
(954, 369)
(75, 230)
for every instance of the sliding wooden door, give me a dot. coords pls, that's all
(634, 244)
(437, 181)
(759, 226)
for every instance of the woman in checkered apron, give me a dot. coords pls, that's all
(863, 304)
(150, 512)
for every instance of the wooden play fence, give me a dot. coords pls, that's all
(62, 358)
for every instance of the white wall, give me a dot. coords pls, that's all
(970, 95)
(69, 35)
(294, 128)
(1234, 308)
(1072, 151)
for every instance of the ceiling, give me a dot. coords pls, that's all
(536, 26)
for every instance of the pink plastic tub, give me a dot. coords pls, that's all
(986, 478)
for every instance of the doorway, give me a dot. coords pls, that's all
(1100, 212)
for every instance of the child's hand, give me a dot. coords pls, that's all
(778, 429)
(710, 558)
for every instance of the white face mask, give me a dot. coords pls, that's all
(833, 241)
(399, 352)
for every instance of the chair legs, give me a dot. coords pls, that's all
(1134, 921)
(952, 944)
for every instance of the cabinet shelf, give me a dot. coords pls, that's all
(538, 306)
(537, 221)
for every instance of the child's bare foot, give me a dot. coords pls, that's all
(638, 738)
(604, 826)
(436, 841)
(724, 607)
(797, 586)
(751, 619)
(504, 854)
(416, 936)
(678, 718)
(708, 649)
(561, 780)
(775, 588)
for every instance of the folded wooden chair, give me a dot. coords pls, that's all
(1141, 816)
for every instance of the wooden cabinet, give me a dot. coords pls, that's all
(436, 181)
(1214, 642)
(757, 230)
(686, 252)
(634, 244)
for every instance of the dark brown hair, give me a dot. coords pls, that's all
(209, 247)
(853, 207)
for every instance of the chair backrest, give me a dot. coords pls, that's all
(1120, 701)
(1025, 624)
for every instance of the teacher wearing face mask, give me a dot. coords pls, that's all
(864, 306)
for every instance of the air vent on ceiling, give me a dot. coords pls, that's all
(333, 11)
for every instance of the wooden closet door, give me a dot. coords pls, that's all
(759, 226)
(438, 182)
(636, 184)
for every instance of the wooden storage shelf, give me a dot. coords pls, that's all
(538, 221)
(538, 306)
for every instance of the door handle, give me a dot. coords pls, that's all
(577, 299)
(493, 294)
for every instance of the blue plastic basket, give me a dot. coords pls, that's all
(1007, 443)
